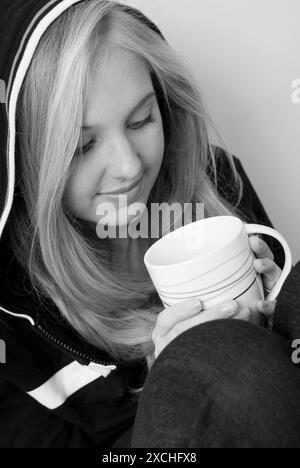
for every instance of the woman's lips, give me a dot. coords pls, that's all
(124, 190)
(130, 194)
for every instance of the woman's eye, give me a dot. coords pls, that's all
(142, 124)
(134, 126)
(84, 149)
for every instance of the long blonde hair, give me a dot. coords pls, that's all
(65, 260)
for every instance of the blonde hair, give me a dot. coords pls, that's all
(65, 260)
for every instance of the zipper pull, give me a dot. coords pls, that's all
(101, 369)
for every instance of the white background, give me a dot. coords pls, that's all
(245, 55)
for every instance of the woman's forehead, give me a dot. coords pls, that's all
(118, 85)
(115, 66)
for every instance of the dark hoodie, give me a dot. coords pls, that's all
(56, 390)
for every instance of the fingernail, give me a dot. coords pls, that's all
(256, 239)
(246, 311)
(264, 305)
(229, 307)
(197, 303)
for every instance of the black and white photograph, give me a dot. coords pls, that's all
(149, 227)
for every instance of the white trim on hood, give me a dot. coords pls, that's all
(27, 317)
(16, 86)
(12, 104)
(34, 20)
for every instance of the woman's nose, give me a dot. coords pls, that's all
(124, 161)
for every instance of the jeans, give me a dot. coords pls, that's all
(225, 383)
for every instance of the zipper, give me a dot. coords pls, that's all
(68, 348)
(77, 353)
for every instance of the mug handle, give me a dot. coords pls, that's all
(259, 229)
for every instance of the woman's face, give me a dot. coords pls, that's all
(122, 141)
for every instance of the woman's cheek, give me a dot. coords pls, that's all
(155, 145)
(80, 185)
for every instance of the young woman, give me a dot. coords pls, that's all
(98, 106)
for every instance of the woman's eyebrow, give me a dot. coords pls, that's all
(138, 106)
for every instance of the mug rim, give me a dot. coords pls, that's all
(186, 262)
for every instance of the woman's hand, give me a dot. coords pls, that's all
(265, 265)
(174, 320)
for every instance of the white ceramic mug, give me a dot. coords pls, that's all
(211, 259)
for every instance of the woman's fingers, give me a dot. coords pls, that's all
(266, 308)
(244, 314)
(168, 318)
(173, 321)
(264, 263)
(260, 248)
(187, 314)
(227, 310)
(270, 271)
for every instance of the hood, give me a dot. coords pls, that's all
(22, 24)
